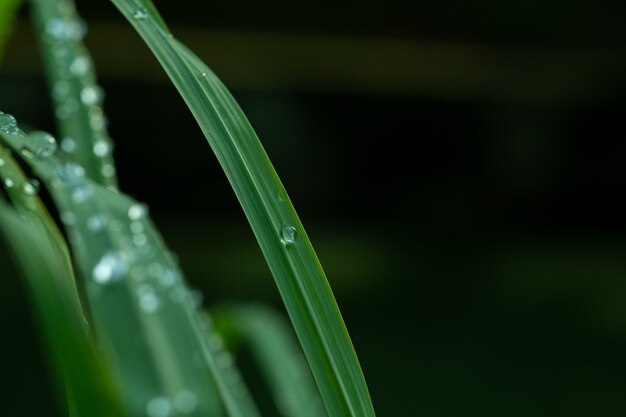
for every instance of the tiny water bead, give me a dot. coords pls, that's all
(8, 124)
(81, 194)
(159, 407)
(61, 29)
(42, 144)
(101, 148)
(140, 239)
(185, 402)
(140, 14)
(137, 211)
(288, 235)
(68, 145)
(61, 89)
(31, 187)
(110, 268)
(107, 170)
(90, 95)
(70, 174)
(148, 299)
(136, 227)
(80, 65)
(8, 183)
(96, 222)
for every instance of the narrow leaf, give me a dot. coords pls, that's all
(41, 254)
(287, 249)
(146, 321)
(76, 97)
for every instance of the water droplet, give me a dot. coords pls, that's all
(148, 299)
(159, 407)
(8, 183)
(110, 268)
(137, 211)
(90, 95)
(68, 145)
(96, 222)
(81, 194)
(70, 174)
(57, 28)
(42, 144)
(169, 277)
(140, 14)
(101, 148)
(136, 227)
(31, 187)
(107, 170)
(288, 235)
(80, 65)
(139, 239)
(204, 74)
(149, 303)
(97, 120)
(1, 162)
(61, 89)
(66, 109)
(185, 402)
(8, 124)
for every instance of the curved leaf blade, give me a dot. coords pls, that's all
(298, 274)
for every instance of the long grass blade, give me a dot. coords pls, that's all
(76, 96)
(287, 249)
(278, 355)
(146, 320)
(42, 256)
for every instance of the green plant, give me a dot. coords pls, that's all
(127, 285)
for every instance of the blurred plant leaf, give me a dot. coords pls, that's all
(276, 351)
(42, 256)
(146, 321)
(287, 249)
(76, 97)
(8, 10)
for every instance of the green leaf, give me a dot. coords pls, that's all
(276, 351)
(287, 249)
(42, 256)
(146, 321)
(8, 9)
(76, 97)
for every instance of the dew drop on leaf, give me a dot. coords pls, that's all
(31, 187)
(288, 235)
(137, 212)
(42, 144)
(8, 124)
(140, 14)
(110, 268)
(185, 402)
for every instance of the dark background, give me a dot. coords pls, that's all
(458, 166)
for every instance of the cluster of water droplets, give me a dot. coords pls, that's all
(39, 145)
(184, 402)
(75, 93)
